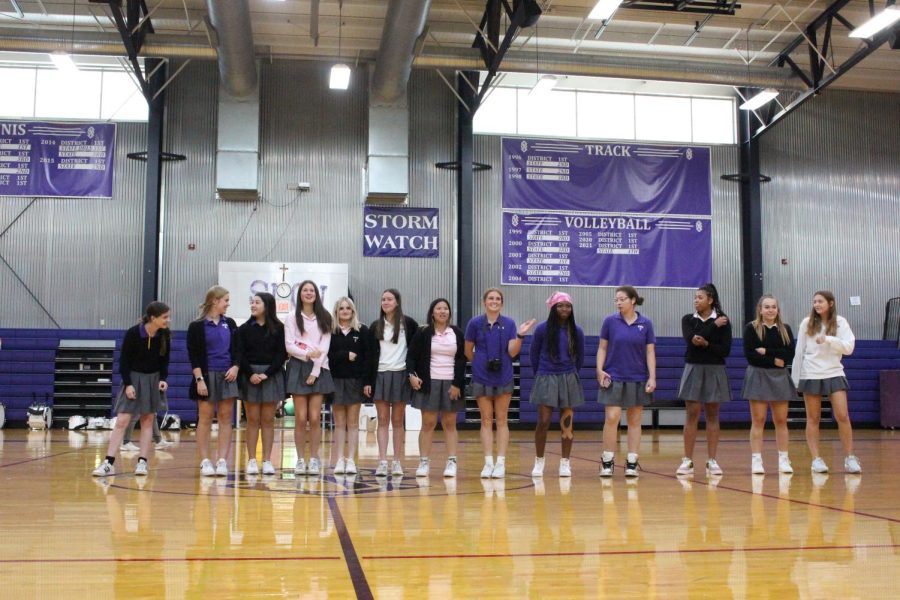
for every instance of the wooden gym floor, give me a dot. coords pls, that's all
(173, 535)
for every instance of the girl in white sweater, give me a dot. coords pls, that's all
(824, 338)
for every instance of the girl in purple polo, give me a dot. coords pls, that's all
(557, 354)
(492, 341)
(626, 371)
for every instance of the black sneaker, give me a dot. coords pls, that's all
(606, 468)
(631, 469)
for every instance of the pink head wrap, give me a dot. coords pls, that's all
(558, 297)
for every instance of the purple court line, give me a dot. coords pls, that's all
(631, 552)
(719, 486)
(167, 560)
(357, 575)
(22, 462)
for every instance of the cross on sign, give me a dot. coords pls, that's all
(284, 269)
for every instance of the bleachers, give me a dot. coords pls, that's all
(27, 364)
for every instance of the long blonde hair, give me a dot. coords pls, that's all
(213, 294)
(815, 321)
(759, 325)
(354, 322)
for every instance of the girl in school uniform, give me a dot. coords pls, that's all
(824, 338)
(492, 342)
(769, 349)
(261, 347)
(626, 372)
(144, 367)
(391, 336)
(347, 360)
(307, 339)
(557, 354)
(215, 363)
(436, 362)
(704, 382)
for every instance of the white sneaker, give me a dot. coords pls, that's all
(486, 471)
(851, 464)
(686, 468)
(538, 470)
(424, 467)
(606, 467)
(350, 468)
(252, 467)
(565, 469)
(756, 465)
(382, 470)
(340, 467)
(130, 447)
(268, 469)
(300, 467)
(313, 468)
(397, 468)
(713, 468)
(104, 470)
(784, 465)
(631, 469)
(499, 471)
(450, 469)
(141, 469)
(163, 444)
(221, 468)
(206, 468)
(818, 465)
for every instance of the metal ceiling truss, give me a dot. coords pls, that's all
(819, 73)
(708, 7)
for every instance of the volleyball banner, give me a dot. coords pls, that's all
(63, 160)
(606, 214)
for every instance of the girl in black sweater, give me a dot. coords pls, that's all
(144, 367)
(347, 359)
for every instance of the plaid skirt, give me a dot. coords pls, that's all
(438, 398)
(270, 390)
(559, 391)
(392, 386)
(148, 399)
(298, 371)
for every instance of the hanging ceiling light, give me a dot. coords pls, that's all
(340, 73)
(544, 84)
(882, 20)
(62, 59)
(604, 9)
(761, 99)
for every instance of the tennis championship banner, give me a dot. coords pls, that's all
(602, 213)
(400, 232)
(65, 160)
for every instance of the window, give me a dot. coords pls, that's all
(713, 120)
(498, 112)
(550, 113)
(606, 116)
(662, 118)
(63, 95)
(17, 99)
(122, 100)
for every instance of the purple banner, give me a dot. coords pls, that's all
(599, 213)
(400, 232)
(68, 160)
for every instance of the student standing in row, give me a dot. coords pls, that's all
(215, 363)
(557, 355)
(347, 357)
(769, 348)
(307, 338)
(392, 333)
(825, 337)
(144, 367)
(261, 347)
(492, 341)
(626, 372)
(436, 363)
(704, 382)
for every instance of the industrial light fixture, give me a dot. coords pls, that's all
(340, 73)
(761, 99)
(544, 84)
(62, 59)
(882, 20)
(604, 9)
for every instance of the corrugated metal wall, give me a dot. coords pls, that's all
(832, 208)
(80, 257)
(664, 307)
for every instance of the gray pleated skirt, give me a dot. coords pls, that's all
(558, 391)
(479, 389)
(438, 398)
(625, 394)
(296, 374)
(348, 392)
(768, 384)
(824, 387)
(704, 383)
(392, 386)
(219, 389)
(148, 399)
(270, 390)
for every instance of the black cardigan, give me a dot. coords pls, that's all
(196, 347)
(418, 357)
(374, 351)
(774, 345)
(719, 339)
(257, 346)
(138, 355)
(339, 362)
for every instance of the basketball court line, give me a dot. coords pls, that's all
(22, 462)
(357, 575)
(187, 559)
